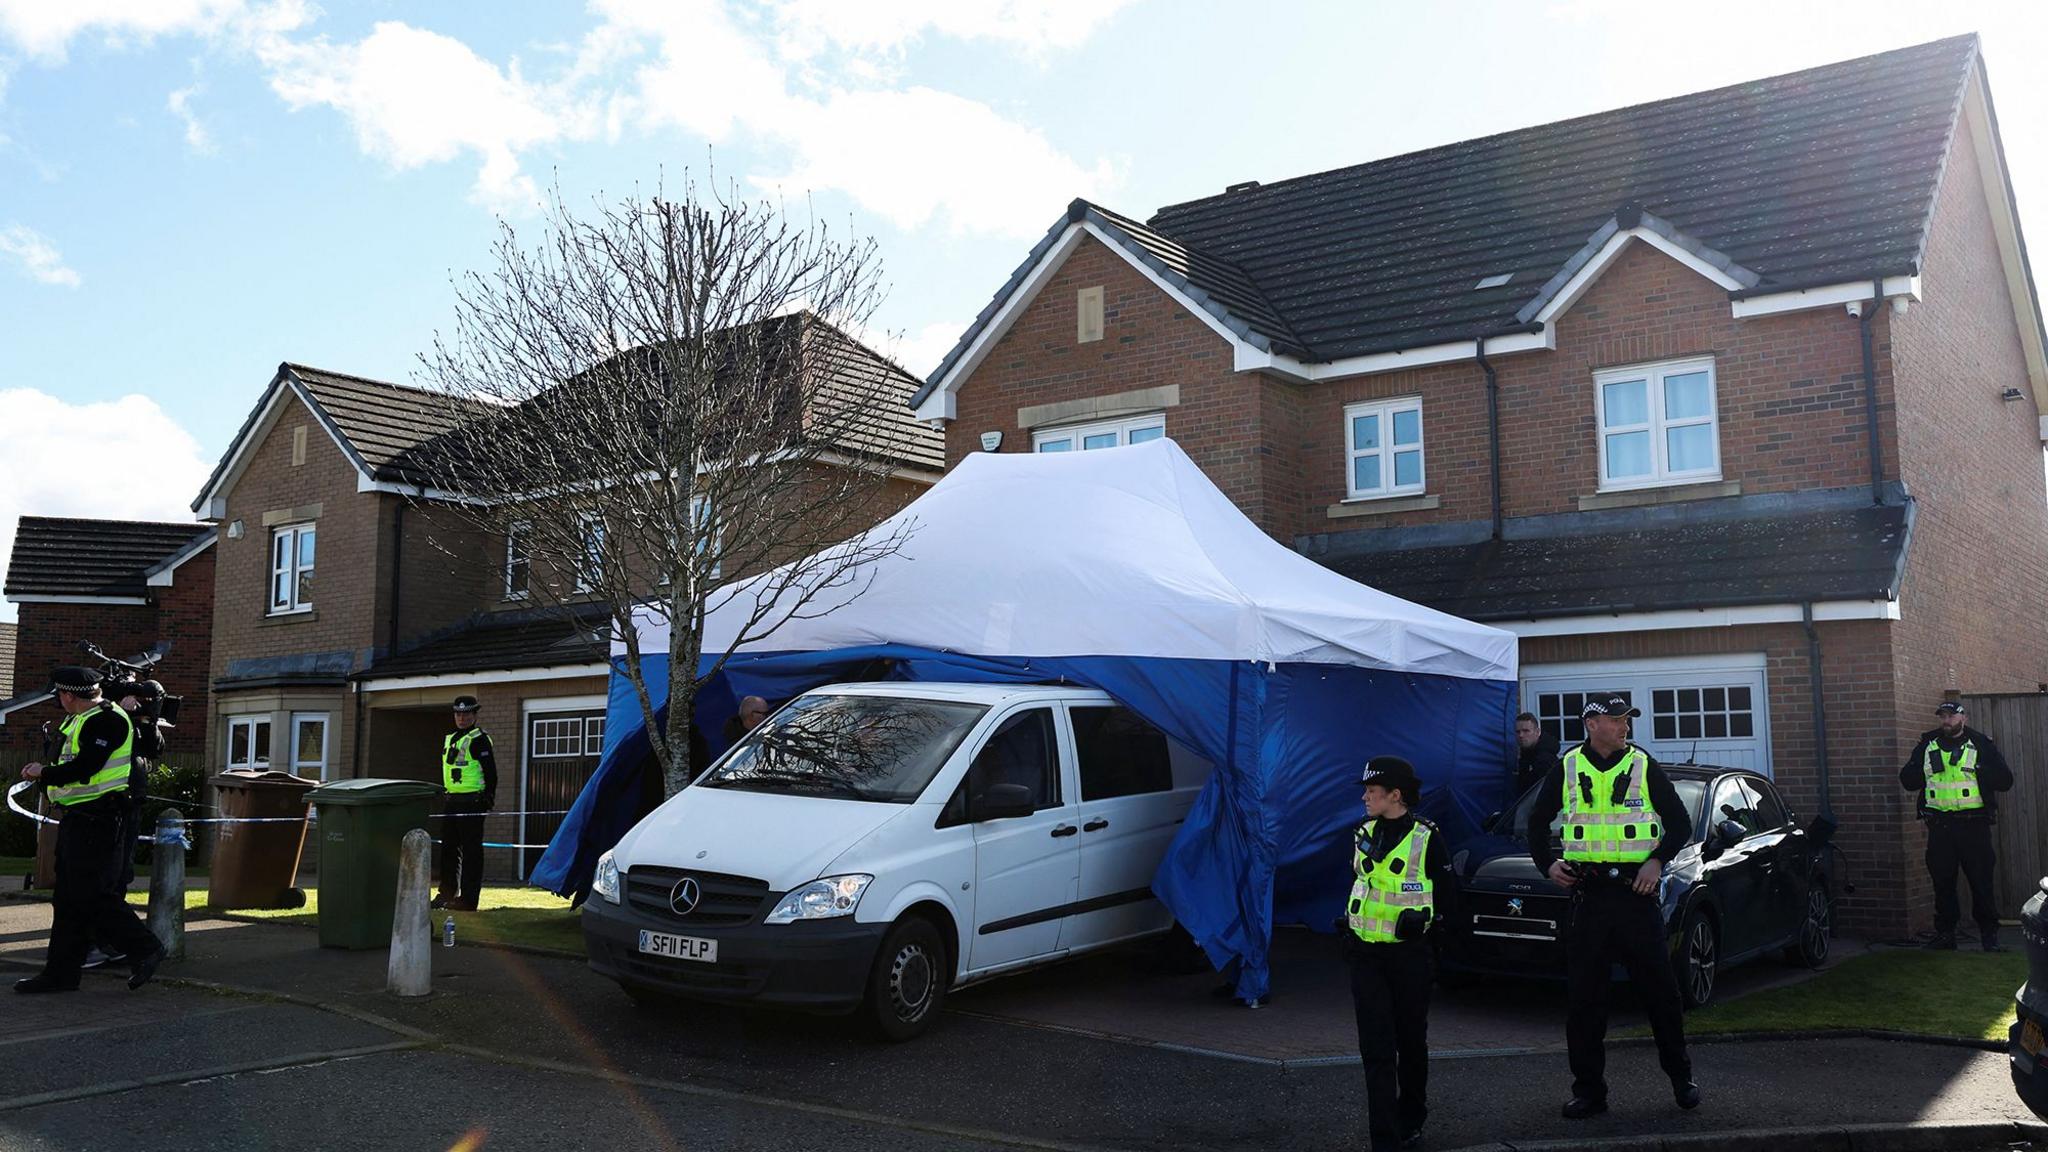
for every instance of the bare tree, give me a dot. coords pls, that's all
(658, 396)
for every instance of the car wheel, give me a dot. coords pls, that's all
(1699, 959)
(1810, 948)
(907, 987)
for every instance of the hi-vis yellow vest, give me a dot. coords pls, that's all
(112, 776)
(1952, 780)
(1386, 888)
(461, 771)
(1600, 828)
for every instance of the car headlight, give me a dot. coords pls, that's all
(821, 899)
(606, 882)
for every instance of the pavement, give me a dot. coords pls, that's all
(260, 1038)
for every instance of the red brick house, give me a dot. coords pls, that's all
(351, 609)
(1731, 401)
(131, 587)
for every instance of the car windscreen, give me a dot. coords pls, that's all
(1515, 821)
(878, 748)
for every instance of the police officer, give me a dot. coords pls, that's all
(1401, 885)
(469, 772)
(1622, 823)
(137, 700)
(90, 781)
(1958, 773)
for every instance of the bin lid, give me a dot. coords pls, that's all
(267, 778)
(344, 793)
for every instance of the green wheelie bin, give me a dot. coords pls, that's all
(362, 825)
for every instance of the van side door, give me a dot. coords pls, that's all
(1025, 867)
(1129, 812)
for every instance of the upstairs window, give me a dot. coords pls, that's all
(1658, 424)
(291, 569)
(518, 561)
(1101, 434)
(593, 551)
(1383, 449)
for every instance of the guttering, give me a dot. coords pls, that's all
(1820, 716)
(1492, 425)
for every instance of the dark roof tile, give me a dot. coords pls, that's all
(62, 556)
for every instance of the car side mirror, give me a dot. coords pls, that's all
(1002, 802)
(1727, 832)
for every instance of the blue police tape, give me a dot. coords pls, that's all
(174, 834)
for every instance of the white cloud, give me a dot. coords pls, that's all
(921, 351)
(40, 478)
(1035, 26)
(37, 256)
(179, 104)
(44, 29)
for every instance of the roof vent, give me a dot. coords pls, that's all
(1494, 281)
(1241, 186)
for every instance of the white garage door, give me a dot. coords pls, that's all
(1711, 709)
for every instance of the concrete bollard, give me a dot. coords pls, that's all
(167, 883)
(411, 971)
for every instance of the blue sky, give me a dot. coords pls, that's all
(194, 190)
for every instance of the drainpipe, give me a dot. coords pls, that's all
(1820, 718)
(1492, 426)
(1865, 318)
(397, 576)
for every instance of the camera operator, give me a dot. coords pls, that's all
(88, 780)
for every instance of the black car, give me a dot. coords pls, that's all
(2027, 1039)
(1752, 881)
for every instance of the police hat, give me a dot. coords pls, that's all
(466, 704)
(1608, 704)
(1393, 772)
(75, 678)
(1950, 708)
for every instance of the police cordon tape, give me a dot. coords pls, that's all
(21, 786)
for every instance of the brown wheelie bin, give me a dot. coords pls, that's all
(254, 865)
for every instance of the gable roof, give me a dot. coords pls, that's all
(65, 556)
(1816, 178)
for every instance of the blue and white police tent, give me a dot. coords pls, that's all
(1128, 571)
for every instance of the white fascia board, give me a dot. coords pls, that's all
(215, 498)
(30, 598)
(1700, 618)
(1405, 358)
(163, 579)
(535, 704)
(464, 679)
(1611, 251)
(413, 491)
(1827, 296)
(2044, 428)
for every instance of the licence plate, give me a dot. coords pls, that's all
(679, 947)
(2030, 1038)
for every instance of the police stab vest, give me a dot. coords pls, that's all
(461, 771)
(1386, 888)
(1600, 827)
(112, 776)
(1952, 780)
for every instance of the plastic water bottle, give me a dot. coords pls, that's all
(448, 932)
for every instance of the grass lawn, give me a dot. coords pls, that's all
(523, 916)
(1960, 993)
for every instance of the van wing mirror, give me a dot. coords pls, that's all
(1001, 802)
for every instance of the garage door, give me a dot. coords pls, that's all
(1711, 709)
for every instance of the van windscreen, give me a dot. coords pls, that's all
(877, 748)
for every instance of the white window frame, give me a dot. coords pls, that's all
(515, 534)
(566, 737)
(1653, 376)
(295, 533)
(1385, 410)
(1074, 434)
(299, 721)
(251, 722)
(593, 549)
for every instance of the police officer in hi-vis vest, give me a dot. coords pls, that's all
(1958, 773)
(1401, 886)
(1622, 823)
(469, 772)
(89, 781)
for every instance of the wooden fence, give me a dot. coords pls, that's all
(2019, 724)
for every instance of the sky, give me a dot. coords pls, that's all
(192, 191)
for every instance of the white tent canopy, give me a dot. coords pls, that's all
(1117, 552)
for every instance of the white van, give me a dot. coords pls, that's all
(872, 845)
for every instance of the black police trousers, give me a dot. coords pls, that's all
(1961, 843)
(462, 847)
(91, 903)
(1611, 925)
(1390, 993)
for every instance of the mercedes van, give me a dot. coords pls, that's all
(871, 846)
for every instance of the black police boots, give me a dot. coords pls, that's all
(1988, 937)
(1686, 1093)
(145, 968)
(43, 982)
(1942, 942)
(1579, 1107)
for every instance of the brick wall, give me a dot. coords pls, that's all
(1971, 616)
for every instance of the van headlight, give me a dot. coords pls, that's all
(606, 882)
(821, 899)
